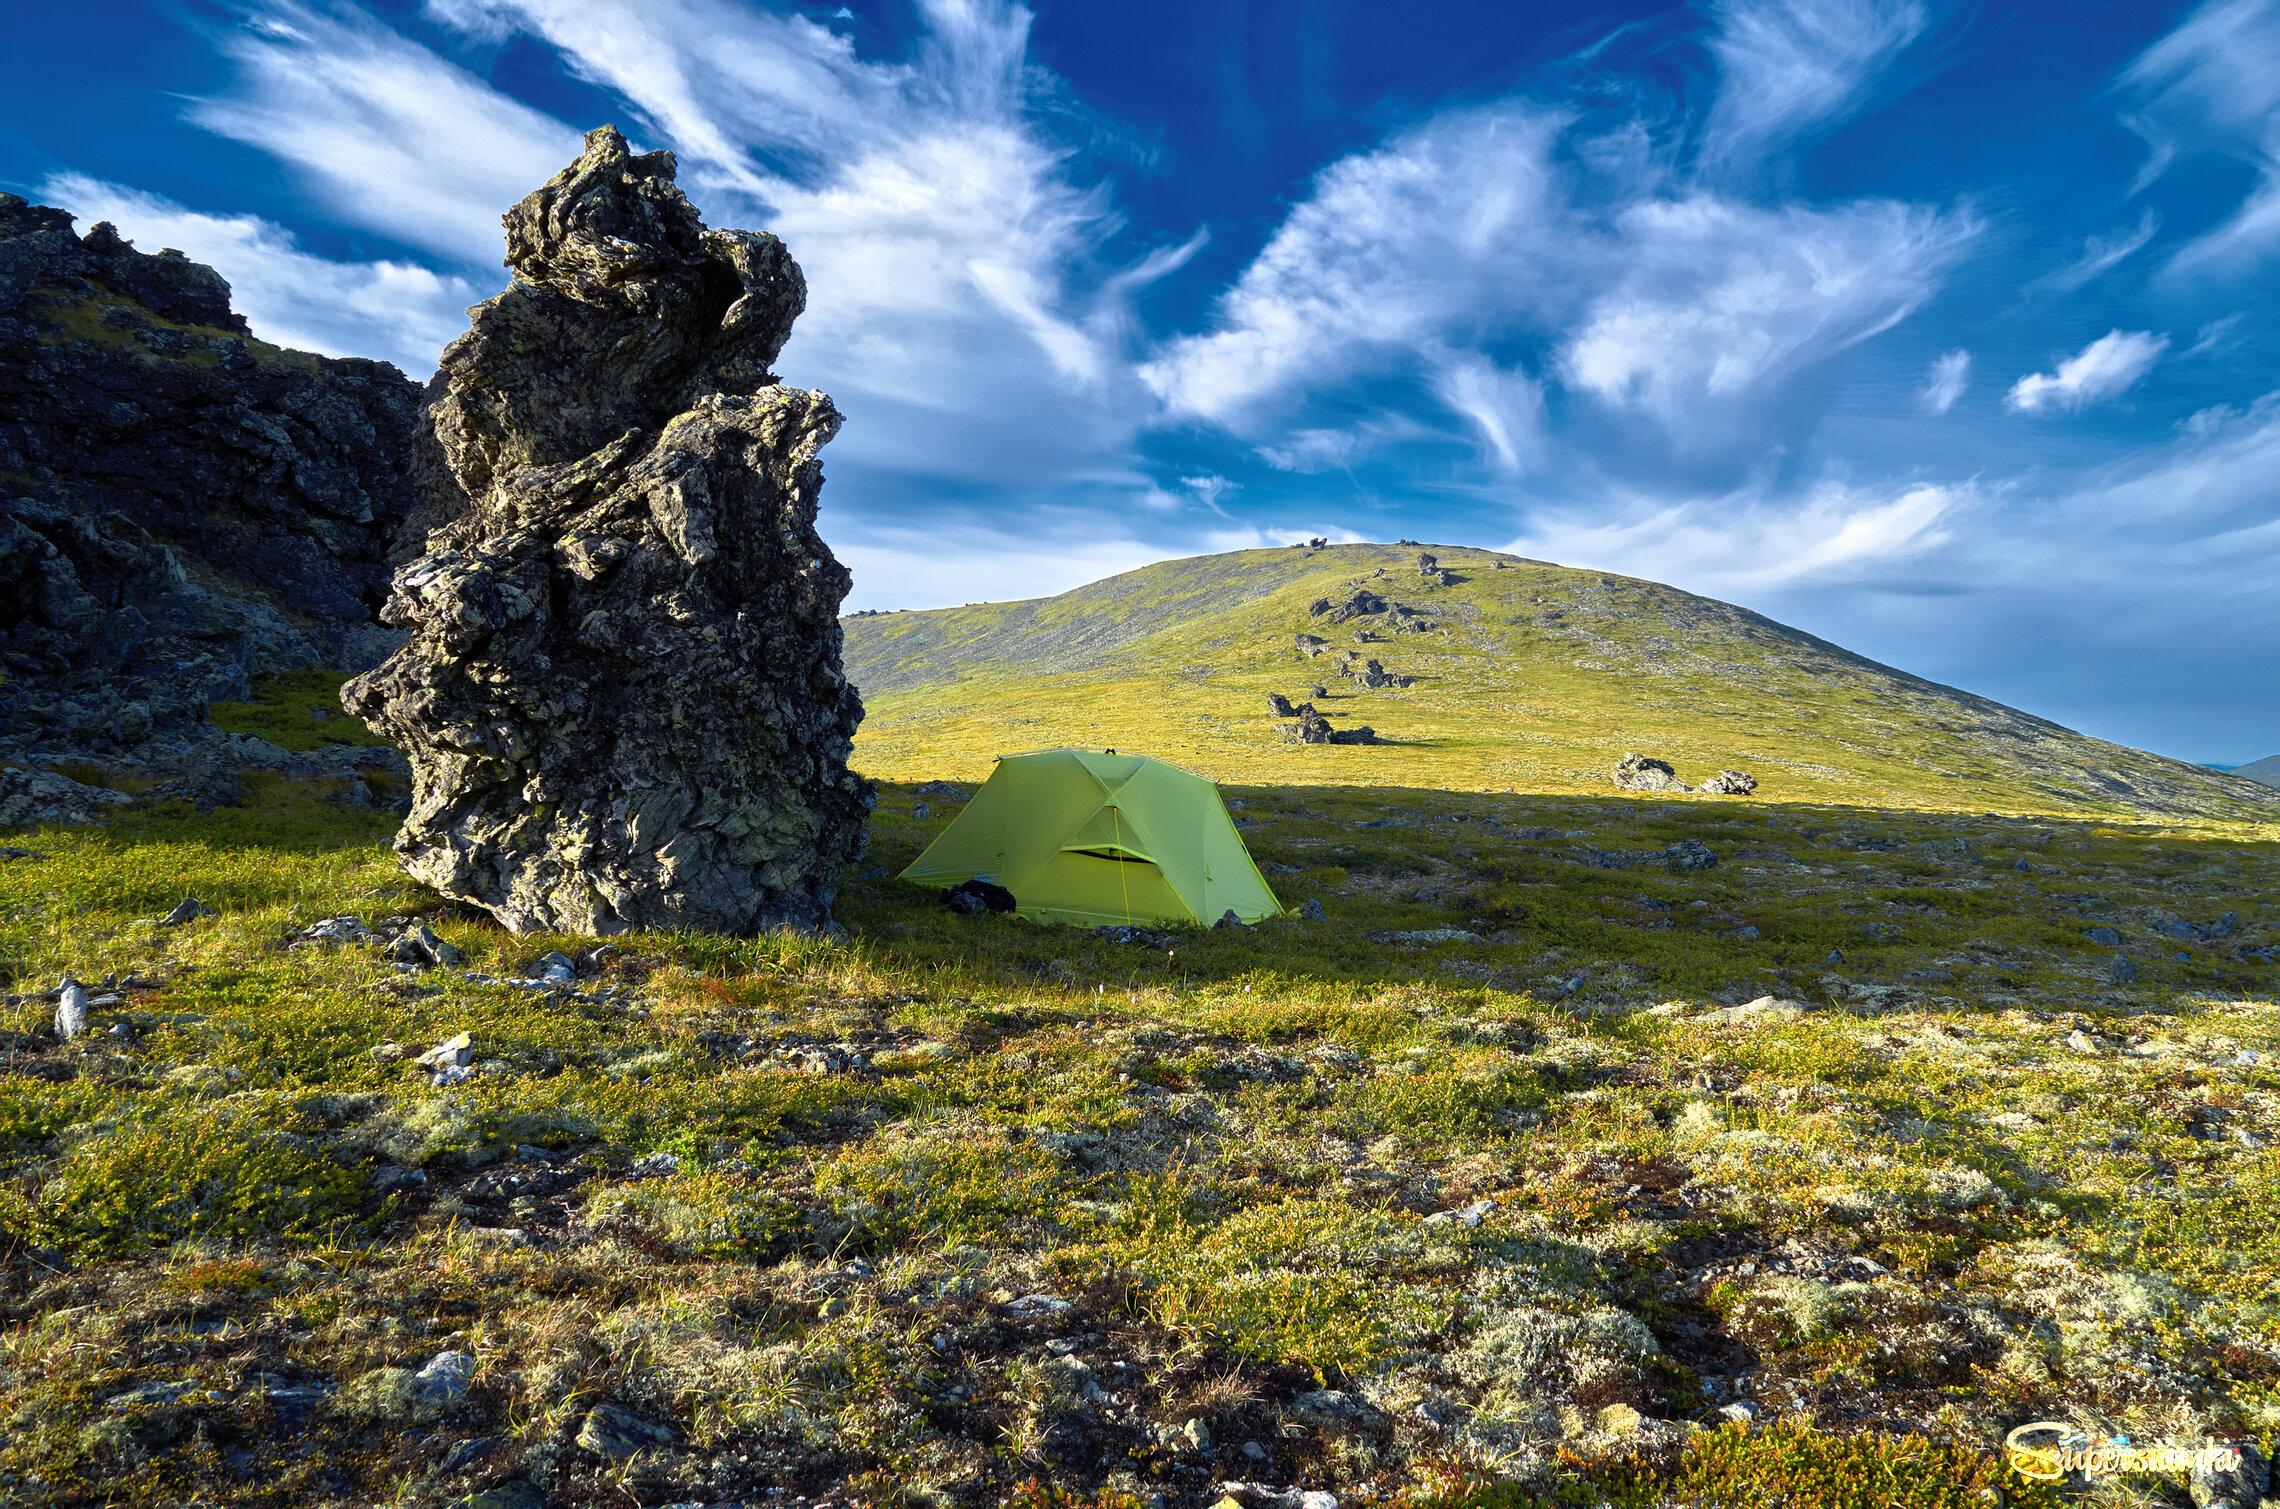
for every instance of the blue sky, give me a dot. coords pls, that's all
(1944, 331)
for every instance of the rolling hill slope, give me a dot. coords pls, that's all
(1533, 677)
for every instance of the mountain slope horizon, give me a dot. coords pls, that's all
(1532, 676)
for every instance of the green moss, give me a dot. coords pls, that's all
(299, 711)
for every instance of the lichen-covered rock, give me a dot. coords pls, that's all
(1637, 772)
(622, 696)
(1730, 783)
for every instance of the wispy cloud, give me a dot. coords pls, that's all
(961, 305)
(2099, 254)
(2213, 84)
(1435, 258)
(1718, 301)
(1747, 543)
(2106, 368)
(1787, 67)
(391, 137)
(399, 311)
(1944, 384)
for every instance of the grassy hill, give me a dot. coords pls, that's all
(1534, 678)
(1589, 1150)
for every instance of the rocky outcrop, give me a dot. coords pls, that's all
(1730, 783)
(1310, 727)
(1637, 772)
(622, 695)
(183, 509)
(128, 386)
(109, 645)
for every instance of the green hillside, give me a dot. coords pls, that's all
(1534, 677)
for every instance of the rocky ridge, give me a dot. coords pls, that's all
(184, 509)
(621, 697)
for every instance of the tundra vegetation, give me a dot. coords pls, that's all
(1589, 1148)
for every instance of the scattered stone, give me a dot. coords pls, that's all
(42, 799)
(1336, 1413)
(1360, 603)
(941, 789)
(1034, 1306)
(1139, 935)
(443, 1381)
(2241, 1486)
(1470, 1217)
(1730, 783)
(1310, 728)
(334, 930)
(2104, 937)
(188, 909)
(1315, 689)
(612, 1431)
(1426, 564)
(10, 851)
(70, 1009)
(1689, 855)
(2123, 972)
(973, 897)
(625, 565)
(1197, 1434)
(921, 812)
(1278, 706)
(1228, 919)
(1311, 644)
(1310, 910)
(1637, 772)
(455, 1052)
(1755, 1013)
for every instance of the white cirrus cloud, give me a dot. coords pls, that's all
(2100, 254)
(1950, 374)
(390, 136)
(2106, 368)
(1789, 66)
(1432, 263)
(1448, 224)
(397, 311)
(1716, 300)
(962, 308)
(2213, 84)
(1749, 543)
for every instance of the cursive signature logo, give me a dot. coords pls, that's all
(2047, 1450)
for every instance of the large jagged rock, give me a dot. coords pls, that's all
(622, 697)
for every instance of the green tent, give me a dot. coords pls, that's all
(1095, 837)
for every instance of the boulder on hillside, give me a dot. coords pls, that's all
(1637, 772)
(1278, 706)
(1730, 783)
(1360, 603)
(622, 695)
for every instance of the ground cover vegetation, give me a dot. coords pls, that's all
(1563, 1147)
(1500, 1184)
